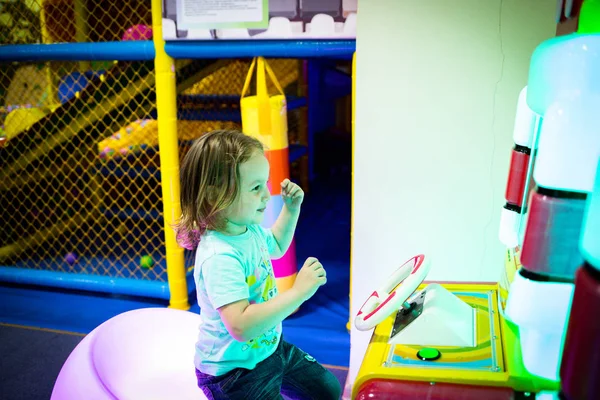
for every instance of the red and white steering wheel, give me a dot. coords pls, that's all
(382, 303)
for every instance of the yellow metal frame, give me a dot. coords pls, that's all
(166, 106)
(508, 353)
(349, 324)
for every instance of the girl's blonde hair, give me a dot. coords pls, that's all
(210, 181)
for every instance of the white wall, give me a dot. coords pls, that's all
(436, 92)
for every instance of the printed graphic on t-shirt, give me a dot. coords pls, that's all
(270, 288)
(262, 282)
(268, 338)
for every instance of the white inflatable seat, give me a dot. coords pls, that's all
(140, 354)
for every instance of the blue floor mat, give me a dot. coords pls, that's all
(319, 327)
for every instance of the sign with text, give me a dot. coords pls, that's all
(259, 19)
(214, 14)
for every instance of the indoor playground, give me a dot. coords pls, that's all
(462, 245)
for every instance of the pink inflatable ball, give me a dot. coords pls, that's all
(138, 32)
(70, 258)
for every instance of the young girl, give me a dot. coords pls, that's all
(240, 353)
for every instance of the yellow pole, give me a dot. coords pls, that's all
(169, 160)
(349, 325)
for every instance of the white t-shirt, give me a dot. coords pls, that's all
(229, 269)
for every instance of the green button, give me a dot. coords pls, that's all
(428, 354)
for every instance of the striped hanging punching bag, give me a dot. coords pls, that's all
(265, 117)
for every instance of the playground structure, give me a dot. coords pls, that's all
(94, 121)
(533, 332)
(498, 365)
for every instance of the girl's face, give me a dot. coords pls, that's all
(249, 205)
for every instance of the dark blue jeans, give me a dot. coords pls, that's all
(288, 371)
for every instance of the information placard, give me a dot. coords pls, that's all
(259, 19)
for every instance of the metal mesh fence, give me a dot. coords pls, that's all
(80, 185)
(79, 161)
(59, 21)
(78, 195)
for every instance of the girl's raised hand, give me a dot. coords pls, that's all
(292, 195)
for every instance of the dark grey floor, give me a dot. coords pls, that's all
(30, 361)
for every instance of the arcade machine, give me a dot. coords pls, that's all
(505, 340)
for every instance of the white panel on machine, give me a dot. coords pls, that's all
(569, 143)
(445, 320)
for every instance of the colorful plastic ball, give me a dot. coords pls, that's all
(146, 262)
(138, 32)
(70, 258)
